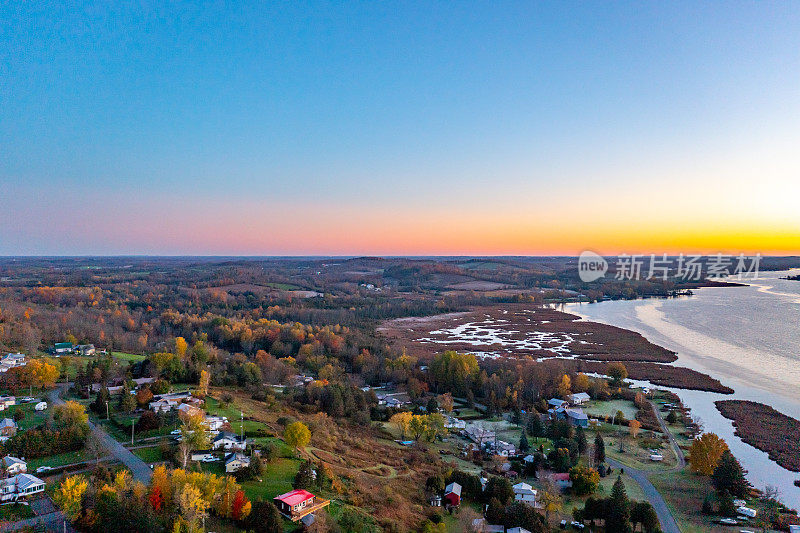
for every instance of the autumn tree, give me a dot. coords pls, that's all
(181, 346)
(564, 387)
(446, 402)
(193, 436)
(192, 506)
(202, 385)
(40, 374)
(580, 383)
(634, 426)
(403, 422)
(69, 495)
(617, 372)
(454, 372)
(297, 435)
(585, 480)
(705, 453)
(550, 499)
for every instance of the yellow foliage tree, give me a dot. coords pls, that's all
(181, 346)
(565, 387)
(705, 453)
(40, 374)
(297, 435)
(193, 507)
(403, 422)
(580, 383)
(634, 426)
(69, 495)
(202, 385)
(70, 413)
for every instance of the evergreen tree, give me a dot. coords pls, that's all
(433, 406)
(644, 514)
(729, 476)
(619, 509)
(726, 505)
(264, 518)
(535, 426)
(305, 476)
(523, 444)
(599, 449)
(99, 403)
(580, 438)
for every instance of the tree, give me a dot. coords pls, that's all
(432, 406)
(644, 514)
(40, 374)
(454, 372)
(192, 506)
(619, 509)
(304, 479)
(403, 422)
(729, 476)
(585, 480)
(499, 488)
(705, 453)
(617, 372)
(446, 402)
(550, 498)
(535, 426)
(69, 495)
(634, 426)
(144, 396)
(241, 506)
(70, 414)
(297, 435)
(264, 518)
(671, 417)
(202, 384)
(181, 346)
(599, 449)
(726, 505)
(564, 387)
(524, 446)
(99, 405)
(580, 383)
(193, 436)
(580, 439)
(128, 403)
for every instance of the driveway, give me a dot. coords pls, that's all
(139, 469)
(668, 523)
(47, 516)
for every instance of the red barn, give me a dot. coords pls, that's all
(452, 495)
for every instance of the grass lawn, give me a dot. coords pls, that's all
(233, 414)
(15, 511)
(277, 479)
(149, 455)
(128, 357)
(58, 460)
(32, 416)
(609, 408)
(632, 488)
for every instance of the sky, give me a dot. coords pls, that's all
(399, 128)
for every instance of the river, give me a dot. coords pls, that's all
(747, 337)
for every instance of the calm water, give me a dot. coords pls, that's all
(747, 337)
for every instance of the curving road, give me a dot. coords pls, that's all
(139, 469)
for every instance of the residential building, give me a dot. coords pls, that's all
(525, 493)
(85, 349)
(452, 495)
(298, 503)
(225, 440)
(8, 428)
(517, 530)
(185, 411)
(452, 422)
(6, 402)
(19, 486)
(557, 402)
(479, 525)
(14, 465)
(561, 481)
(579, 398)
(215, 423)
(479, 434)
(61, 348)
(236, 461)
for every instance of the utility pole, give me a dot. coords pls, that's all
(107, 417)
(133, 424)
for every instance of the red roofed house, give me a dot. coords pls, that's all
(298, 503)
(452, 495)
(562, 481)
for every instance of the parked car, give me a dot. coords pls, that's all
(175, 432)
(43, 469)
(208, 459)
(577, 525)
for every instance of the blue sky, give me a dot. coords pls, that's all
(396, 127)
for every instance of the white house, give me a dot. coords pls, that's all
(19, 486)
(579, 398)
(14, 465)
(8, 428)
(215, 423)
(236, 461)
(452, 422)
(41, 406)
(226, 440)
(505, 449)
(525, 493)
(6, 402)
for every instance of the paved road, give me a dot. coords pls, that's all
(47, 516)
(668, 523)
(672, 439)
(139, 469)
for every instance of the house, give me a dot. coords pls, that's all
(199, 455)
(215, 423)
(185, 411)
(556, 403)
(479, 434)
(577, 417)
(61, 348)
(562, 481)
(504, 448)
(85, 349)
(452, 422)
(452, 495)
(20, 486)
(8, 428)
(298, 503)
(225, 440)
(13, 359)
(479, 525)
(517, 530)
(14, 466)
(163, 406)
(794, 529)
(143, 381)
(579, 398)
(41, 406)
(525, 493)
(236, 461)
(6, 402)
